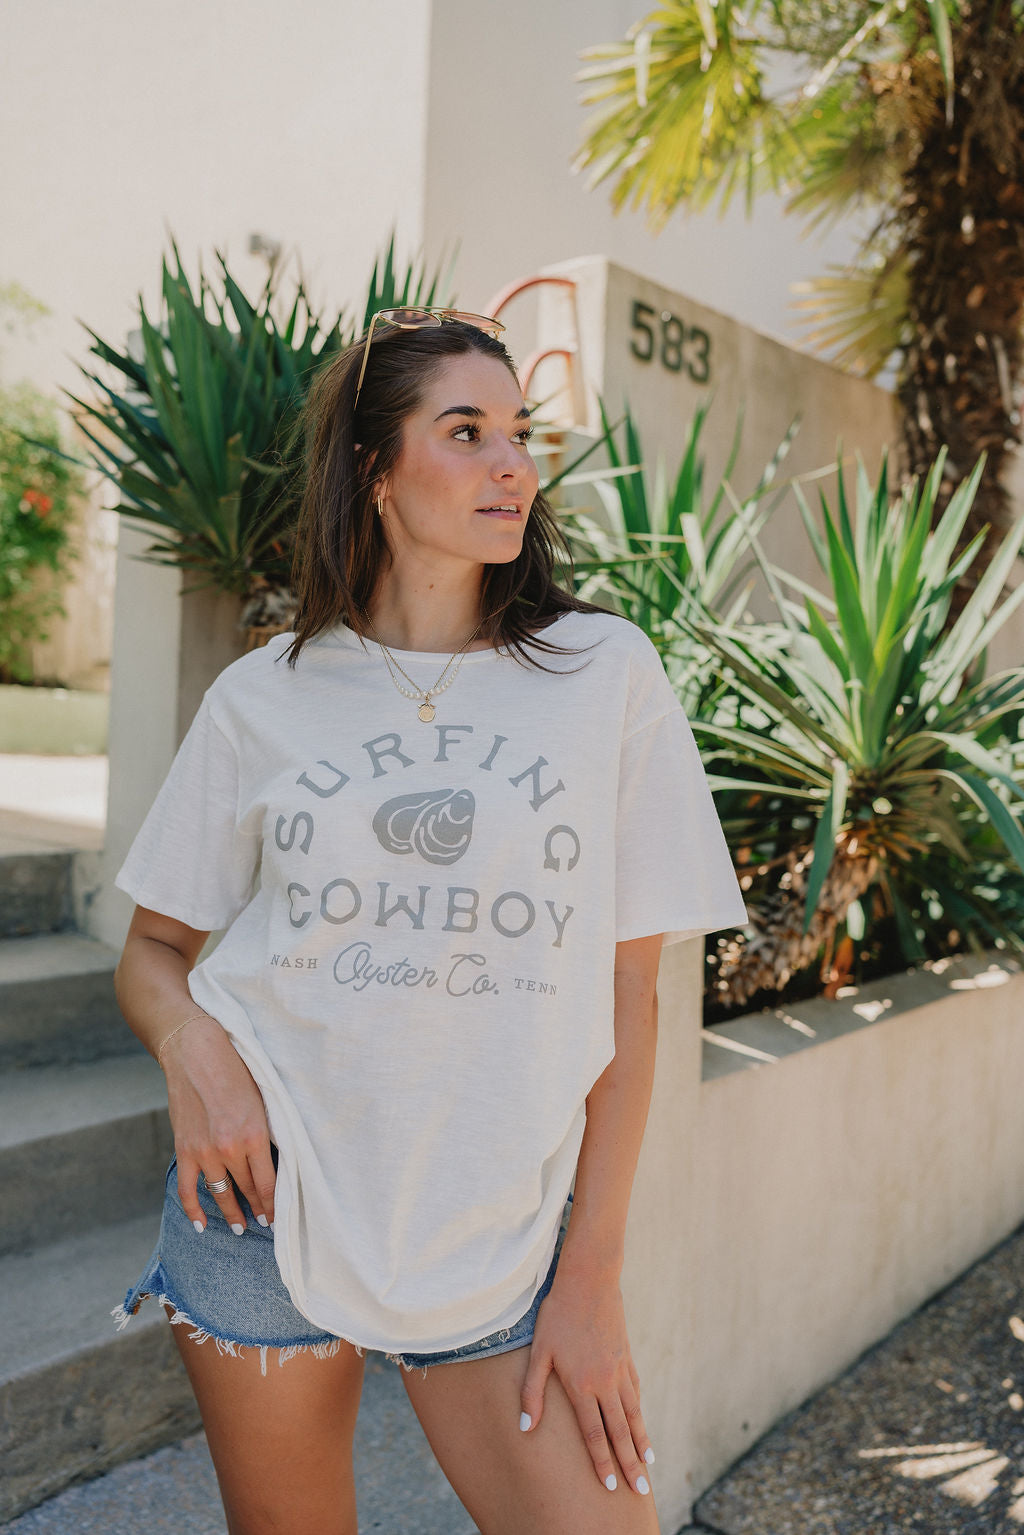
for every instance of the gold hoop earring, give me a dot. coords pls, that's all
(380, 507)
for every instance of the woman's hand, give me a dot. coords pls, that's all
(217, 1112)
(220, 1124)
(581, 1336)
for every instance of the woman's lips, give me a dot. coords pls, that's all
(503, 513)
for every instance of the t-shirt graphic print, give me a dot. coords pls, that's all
(421, 920)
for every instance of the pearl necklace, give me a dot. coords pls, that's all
(426, 710)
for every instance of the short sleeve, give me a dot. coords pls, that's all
(190, 860)
(673, 872)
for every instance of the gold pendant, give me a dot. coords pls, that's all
(426, 711)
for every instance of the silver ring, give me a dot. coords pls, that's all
(219, 1185)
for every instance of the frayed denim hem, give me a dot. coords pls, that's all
(501, 1342)
(178, 1318)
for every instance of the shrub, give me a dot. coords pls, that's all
(38, 490)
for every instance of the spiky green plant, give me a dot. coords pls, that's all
(197, 432)
(861, 750)
(667, 545)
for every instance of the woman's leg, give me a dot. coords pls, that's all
(511, 1483)
(282, 1442)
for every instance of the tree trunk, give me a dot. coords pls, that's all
(963, 216)
(778, 948)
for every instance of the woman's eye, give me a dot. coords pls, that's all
(470, 432)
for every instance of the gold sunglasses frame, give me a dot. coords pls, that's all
(423, 317)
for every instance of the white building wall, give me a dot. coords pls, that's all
(124, 121)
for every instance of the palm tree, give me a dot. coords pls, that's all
(911, 108)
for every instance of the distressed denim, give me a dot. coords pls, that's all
(229, 1288)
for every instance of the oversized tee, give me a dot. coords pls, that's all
(421, 922)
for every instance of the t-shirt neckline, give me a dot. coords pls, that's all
(342, 635)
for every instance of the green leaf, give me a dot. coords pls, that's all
(1001, 818)
(829, 823)
(938, 15)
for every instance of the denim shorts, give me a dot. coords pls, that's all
(234, 1294)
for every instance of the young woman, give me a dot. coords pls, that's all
(445, 826)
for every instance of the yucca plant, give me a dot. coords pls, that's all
(665, 545)
(865, 767)
(198, 432)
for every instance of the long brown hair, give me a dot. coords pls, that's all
(340, 545)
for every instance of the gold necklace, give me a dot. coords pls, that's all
(426, 710)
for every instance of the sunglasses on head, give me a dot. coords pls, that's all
(413, 317)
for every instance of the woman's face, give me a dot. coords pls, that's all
(464, 481)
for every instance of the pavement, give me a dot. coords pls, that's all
(923, 1435)
(51, 802)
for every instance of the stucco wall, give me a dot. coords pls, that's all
(872, 1158)
(742, 371)
(125, 123)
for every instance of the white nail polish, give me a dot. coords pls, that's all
(643, 1486)
(263, 1220)
(610, 1483)
(525, 1421)
(649, 1456)
(237, 1229)
(199, 1226)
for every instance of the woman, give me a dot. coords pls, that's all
(473, 808)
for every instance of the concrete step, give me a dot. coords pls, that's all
(76, 1396)
(57, 1001)
(35, 892)
(80, 1146)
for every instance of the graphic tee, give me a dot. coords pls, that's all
(421, 923)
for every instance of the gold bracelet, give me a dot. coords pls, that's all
(190, 1019)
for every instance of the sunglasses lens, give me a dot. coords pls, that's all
(412, 316)
(481, 321)
(409, 316)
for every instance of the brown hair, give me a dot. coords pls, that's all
(340, 544)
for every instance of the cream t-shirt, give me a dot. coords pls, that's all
(421, 923)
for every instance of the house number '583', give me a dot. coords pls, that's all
(676, 345)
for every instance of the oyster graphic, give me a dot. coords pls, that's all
(437, 824)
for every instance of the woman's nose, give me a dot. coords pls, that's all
(510, 462)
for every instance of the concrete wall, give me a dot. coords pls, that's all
(168, 649)
(124, 123)
(747, 372)
(873, 1153)
(660, 1275)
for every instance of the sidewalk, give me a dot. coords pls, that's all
(51, 802)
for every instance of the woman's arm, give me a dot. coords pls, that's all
(581, 1330)
(217, 1111)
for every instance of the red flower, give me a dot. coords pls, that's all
(38, 502)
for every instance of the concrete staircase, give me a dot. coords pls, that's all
(84, 1144)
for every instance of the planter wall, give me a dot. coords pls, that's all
(169, 645)
(861, 1157)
